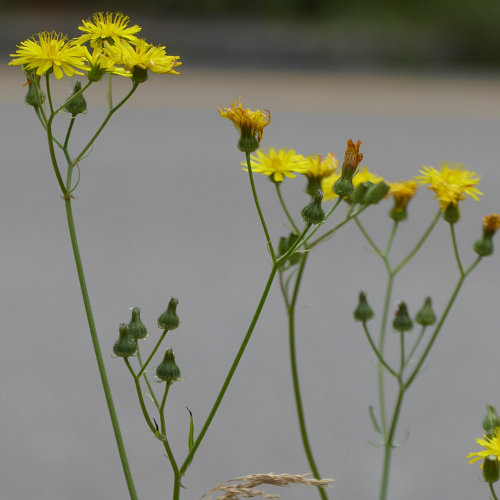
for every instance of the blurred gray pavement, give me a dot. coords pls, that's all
(163, 209)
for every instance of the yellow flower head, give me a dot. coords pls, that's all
(109, 27)
(491, 224)
(50, 52)
(319, 168)
(100, 63)
(278, 164)
(451, 183)
(402, 192)
(249, 123)
(491, 447)
(144, 56)
(364, 175)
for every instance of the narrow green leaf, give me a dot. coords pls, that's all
(375, 424)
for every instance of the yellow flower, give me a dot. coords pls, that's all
(363, 175)
(277, 164)
(319, 168)
(109, 27)
(249, 123)
(100, 63)
(451, 183)
(49, 52)
(402, 192)
(144, 56)
(491, 447)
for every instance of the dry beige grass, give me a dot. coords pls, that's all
(243, 487)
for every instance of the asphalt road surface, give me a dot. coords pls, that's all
(163, 209)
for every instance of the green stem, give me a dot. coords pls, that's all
(420, 242)
(441, 322)
(295, 377)
(257, 204)
(146, 379)
(492, 491)
(455, 249)
(384, 485)
(98, 354)
(349, 217)
(234, 365)
(377, 353)
(106, 120)
(285, 209)
(153, 352)
(145, 413)
(50, 139)
(416, 344)
(166, 444)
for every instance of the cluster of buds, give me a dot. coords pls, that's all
(135, 330)
(402, 320)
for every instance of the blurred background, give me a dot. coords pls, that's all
(164, 210)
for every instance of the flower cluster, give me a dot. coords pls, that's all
(114, 48)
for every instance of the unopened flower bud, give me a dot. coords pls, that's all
(343, 186)
(313, 213)
(491, 420)
(169, 319)
(168, 370)
(78, 104)
(376, 193)
(363, 312)
(358, 196)
(426, 316)
(126, 345)
(285, 244)
(451, 213)
(402, 322)
(491, 469)
(136, 327)
(35, 96)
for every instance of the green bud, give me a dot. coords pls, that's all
(359, 194)
(169, 319)
(426, 316)
(451, 213)
(168, 370)
(343, 187)
(402, 322)
(484, 246)
(398, 214)
(78, 104)
(136, 327)
(248, 143)
(95, 74)
(491, 420)
(376, 193)
(34, 88)
(125, 346)
(285, 244)
(139, 75)
(313, 213)
(491, 469)
(313, 185)
(363, 312)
